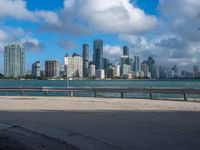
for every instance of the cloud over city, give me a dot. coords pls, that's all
(171, 36)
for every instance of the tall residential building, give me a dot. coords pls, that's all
(73, 65)
(125, 51)
(85, 56)
(98, 54)
(36, 69)
(52, 68)
(14, 61)
(137, 63)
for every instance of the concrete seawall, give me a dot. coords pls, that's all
(101, 124)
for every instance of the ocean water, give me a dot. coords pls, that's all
(195, 84)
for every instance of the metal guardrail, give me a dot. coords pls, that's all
(122, 91)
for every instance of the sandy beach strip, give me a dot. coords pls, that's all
(85, 103)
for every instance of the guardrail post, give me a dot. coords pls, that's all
(95, 94)
(150, 95)
(122, 95)
(185, 97)
(21, 93)
(45, 93)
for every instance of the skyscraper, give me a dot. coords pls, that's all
(85, 56)
(92, 71)
(137, 63)
(74, 65)
(174, 71)
(152, 67)
(36, 69)
(14, 61)
(98, 54)
(125, 51)
(196, 73)
(124, 62)
(106, 63)
(145, 69)
(52, 68)
(195, 69)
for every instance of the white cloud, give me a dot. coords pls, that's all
(3, 35)
(19, 36)
(69, 3)
(32, 44)
(17, 9)
(176, 40)
(118, 16)
(66, 44)
(112, 52)
(95, 16)
(48, 17)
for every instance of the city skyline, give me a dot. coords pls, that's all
(81, 67)
(50, 31)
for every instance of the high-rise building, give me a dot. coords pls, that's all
(186, 74)
(117, 71)
(152, 67)
(196, 71)
(98, 54)
(125, 51)
(165, 72)
(124, 61)
(106, 64)
(110, 73)
(14, 61)
(113, 71)
(100, 74)
(73, 65)
(145, 69)
(52, 68)
(92, 71)
(85, 56)
(162, 72)
(174, 71)
(36, 69)
(195, 68)
(137, 63)
(125, 69)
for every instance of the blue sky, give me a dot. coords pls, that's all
(48, 30)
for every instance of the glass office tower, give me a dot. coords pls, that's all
(98, 54)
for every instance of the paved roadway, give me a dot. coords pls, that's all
(104, 124)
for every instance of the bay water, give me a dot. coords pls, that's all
(195, 84)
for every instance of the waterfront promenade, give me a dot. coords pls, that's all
(99, 123)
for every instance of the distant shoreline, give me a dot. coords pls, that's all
(101, 80)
